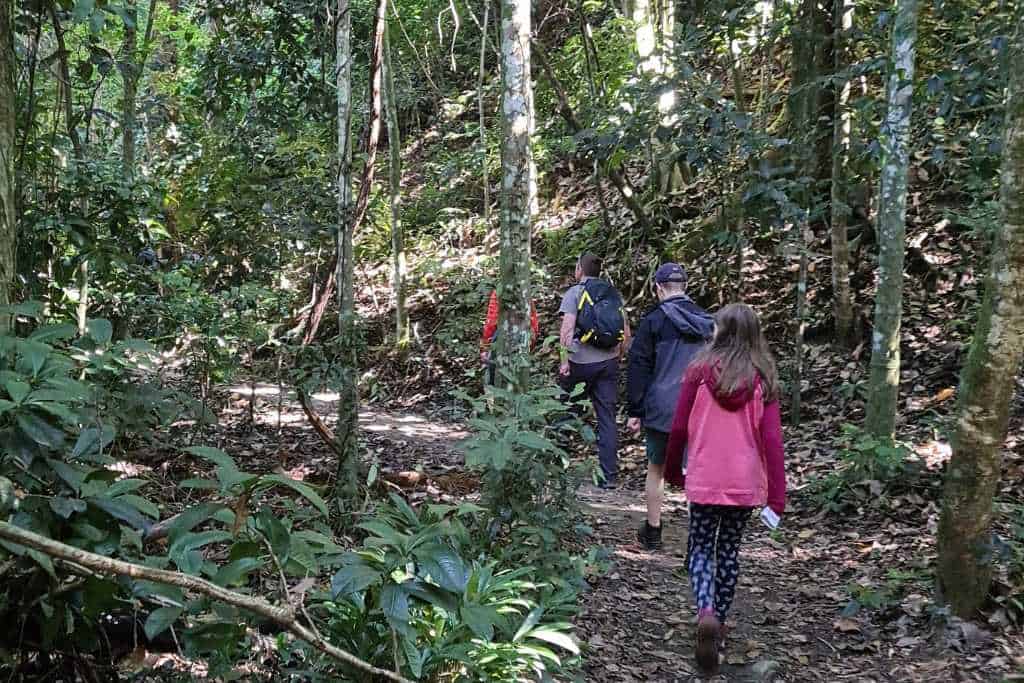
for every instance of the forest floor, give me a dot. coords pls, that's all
(826, 598)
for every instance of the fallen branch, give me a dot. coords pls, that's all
(284, 616)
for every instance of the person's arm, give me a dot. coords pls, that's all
(565, 337)
(678, 435)
(774, 456)
(640, 368)
(490, 323)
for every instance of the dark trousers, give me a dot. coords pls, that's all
(714, 555)
(602, 388)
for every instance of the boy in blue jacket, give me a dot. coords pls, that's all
(668, 338)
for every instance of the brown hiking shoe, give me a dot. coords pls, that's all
(723, 633)
(706, 653)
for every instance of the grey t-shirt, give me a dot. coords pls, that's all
(579, 352)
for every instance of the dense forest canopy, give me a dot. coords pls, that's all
(247, 248)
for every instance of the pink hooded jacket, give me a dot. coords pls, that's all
(734, 445)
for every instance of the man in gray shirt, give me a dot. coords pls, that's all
(597, 369)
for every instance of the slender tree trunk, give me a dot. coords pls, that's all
(518, 187)
(988, 384)
(892, 213)
(483, 121)
(8, 226)
(130, 69)
(842, 298)
(395, 182)
(799, 326)
(347, 483)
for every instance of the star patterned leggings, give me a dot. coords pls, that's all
(713, 550)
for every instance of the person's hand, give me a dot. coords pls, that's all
(633, 424)
(485, 357)
(563, 369)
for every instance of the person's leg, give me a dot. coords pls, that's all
(701, 555)
(603, 388)
(701, 558)
(654, 487)
(727, 565)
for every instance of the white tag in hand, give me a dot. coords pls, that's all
(770, 519)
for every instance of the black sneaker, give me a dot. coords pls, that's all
(649, 536)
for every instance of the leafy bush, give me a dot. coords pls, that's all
(867, 465)
(529, 482)
(410, 599)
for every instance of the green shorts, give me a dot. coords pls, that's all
(657, 444)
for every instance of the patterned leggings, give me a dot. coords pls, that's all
(715, 567)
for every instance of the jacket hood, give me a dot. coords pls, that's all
(689, 318)
(734, 401)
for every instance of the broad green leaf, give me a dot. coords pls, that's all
(100, 330)
(36, 354)
(189, 519)
(123, 486)
(299, 487)
(72, 475)
(49, 333)
(121, 511)
(39, 430)
(532, 619)
(91, 440)
(185, 551)
(214, 455)
(234, 572)
(414, 657)
(534, 441)
(147, 589)
(17, 390)
(275, 532)
(394, 602)
(6, 405)
(65, 507)
(353, 578)
(160, 620)
(443, 566)
(562, 640)
(141, 504)
(385, 531)
(480, 619)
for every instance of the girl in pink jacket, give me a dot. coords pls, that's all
(728, 421)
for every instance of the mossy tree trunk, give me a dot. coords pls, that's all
(518, 192)
(347, 483)
(884, 383)
(988, 384)
(130, 71)
(8, 227)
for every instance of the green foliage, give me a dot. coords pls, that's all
(415, 596)
(529, 481)
(867, 466)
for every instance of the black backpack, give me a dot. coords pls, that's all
(599, 319)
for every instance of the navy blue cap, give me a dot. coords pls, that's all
(670, 272)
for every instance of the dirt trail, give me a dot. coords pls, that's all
(637, 618)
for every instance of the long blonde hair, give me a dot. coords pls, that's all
(739, 354)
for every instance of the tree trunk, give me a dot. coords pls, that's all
(395, 182)
(842, 299)
(883, 389)
(347, 484)
(518, 187)
(807, 100)
(8, 226)
(483, 121)
(130, 69)
(799, 325)
(988, 384)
